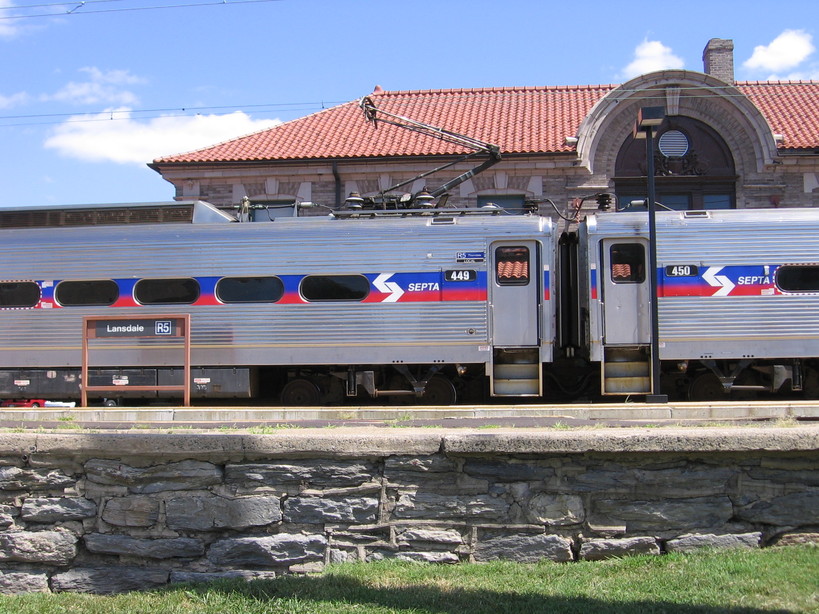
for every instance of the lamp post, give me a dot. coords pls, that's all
(648, 119)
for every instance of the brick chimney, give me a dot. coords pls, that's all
(718, 59)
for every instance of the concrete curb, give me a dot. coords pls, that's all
(757, 410)
(379, 442)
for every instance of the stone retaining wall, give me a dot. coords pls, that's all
(113, 512)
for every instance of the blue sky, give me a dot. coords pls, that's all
(92, 91)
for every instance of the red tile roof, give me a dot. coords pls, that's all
(519, 120)
(791, 108)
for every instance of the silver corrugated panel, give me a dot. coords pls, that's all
(289, 246)
(749, 317)
(262, 333)
(721, 237)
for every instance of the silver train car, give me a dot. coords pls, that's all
(738, 301)
(301, 310)
(431, 306)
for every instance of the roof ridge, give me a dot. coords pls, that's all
(780, 82)
(496, 89)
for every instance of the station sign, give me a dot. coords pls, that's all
(141, 327)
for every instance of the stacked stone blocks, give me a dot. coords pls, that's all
(103, 525)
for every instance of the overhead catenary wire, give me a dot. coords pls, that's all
(297, 106)
(476, 98)
(50, 4)
(109, 115)
(79, 8)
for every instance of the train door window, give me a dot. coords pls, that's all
(627, 263)
(19, 294)
(512, 266)
(95, 292)
(798, 278)
(249, 289)
(166, 291)
(335, 288)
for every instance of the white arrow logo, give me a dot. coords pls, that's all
(388, 287)
(724, 284)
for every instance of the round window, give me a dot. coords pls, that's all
(673, 144)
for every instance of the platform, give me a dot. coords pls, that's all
(529, 415)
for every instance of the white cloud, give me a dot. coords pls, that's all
(7, 26)
(115, 136)
(786, 51)
(101, 87)
(7, 102)
(810, 74)
(650, 56)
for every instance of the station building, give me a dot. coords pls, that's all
(722, 144)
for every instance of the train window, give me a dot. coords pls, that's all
(627, 261)
(335, 288)
(73, 293)
(512, 266)
(166, 291)
(249, 289)
(19, 294)
(798, 278)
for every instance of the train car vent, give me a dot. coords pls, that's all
(145, 216)
(177, 214)
(442, 220)
(97, 216)
(112, 216)
(78, 218)
(696, 214)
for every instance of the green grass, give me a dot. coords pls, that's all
(730, 582)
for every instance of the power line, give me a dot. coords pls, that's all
(188, 111)
(78, 8)
(468, 97)
(284, 106)
(50, 4)
(143, 114)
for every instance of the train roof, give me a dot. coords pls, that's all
(637, 221)
(174, 212)
(201, 213)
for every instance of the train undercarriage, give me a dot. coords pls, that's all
(564, 381)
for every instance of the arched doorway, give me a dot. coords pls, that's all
(694, 167)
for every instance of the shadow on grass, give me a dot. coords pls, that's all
(340, 593)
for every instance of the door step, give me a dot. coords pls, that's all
(626, 371)
(516, 379)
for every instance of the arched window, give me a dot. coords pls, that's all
(694, 168)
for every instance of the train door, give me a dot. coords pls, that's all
(514, 299)
(515, 318)
(625, 292)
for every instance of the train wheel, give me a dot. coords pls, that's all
(706, 387)
(301, 392)
(439, 391)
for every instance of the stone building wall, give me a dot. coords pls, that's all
(114, 512)
(791, 182)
